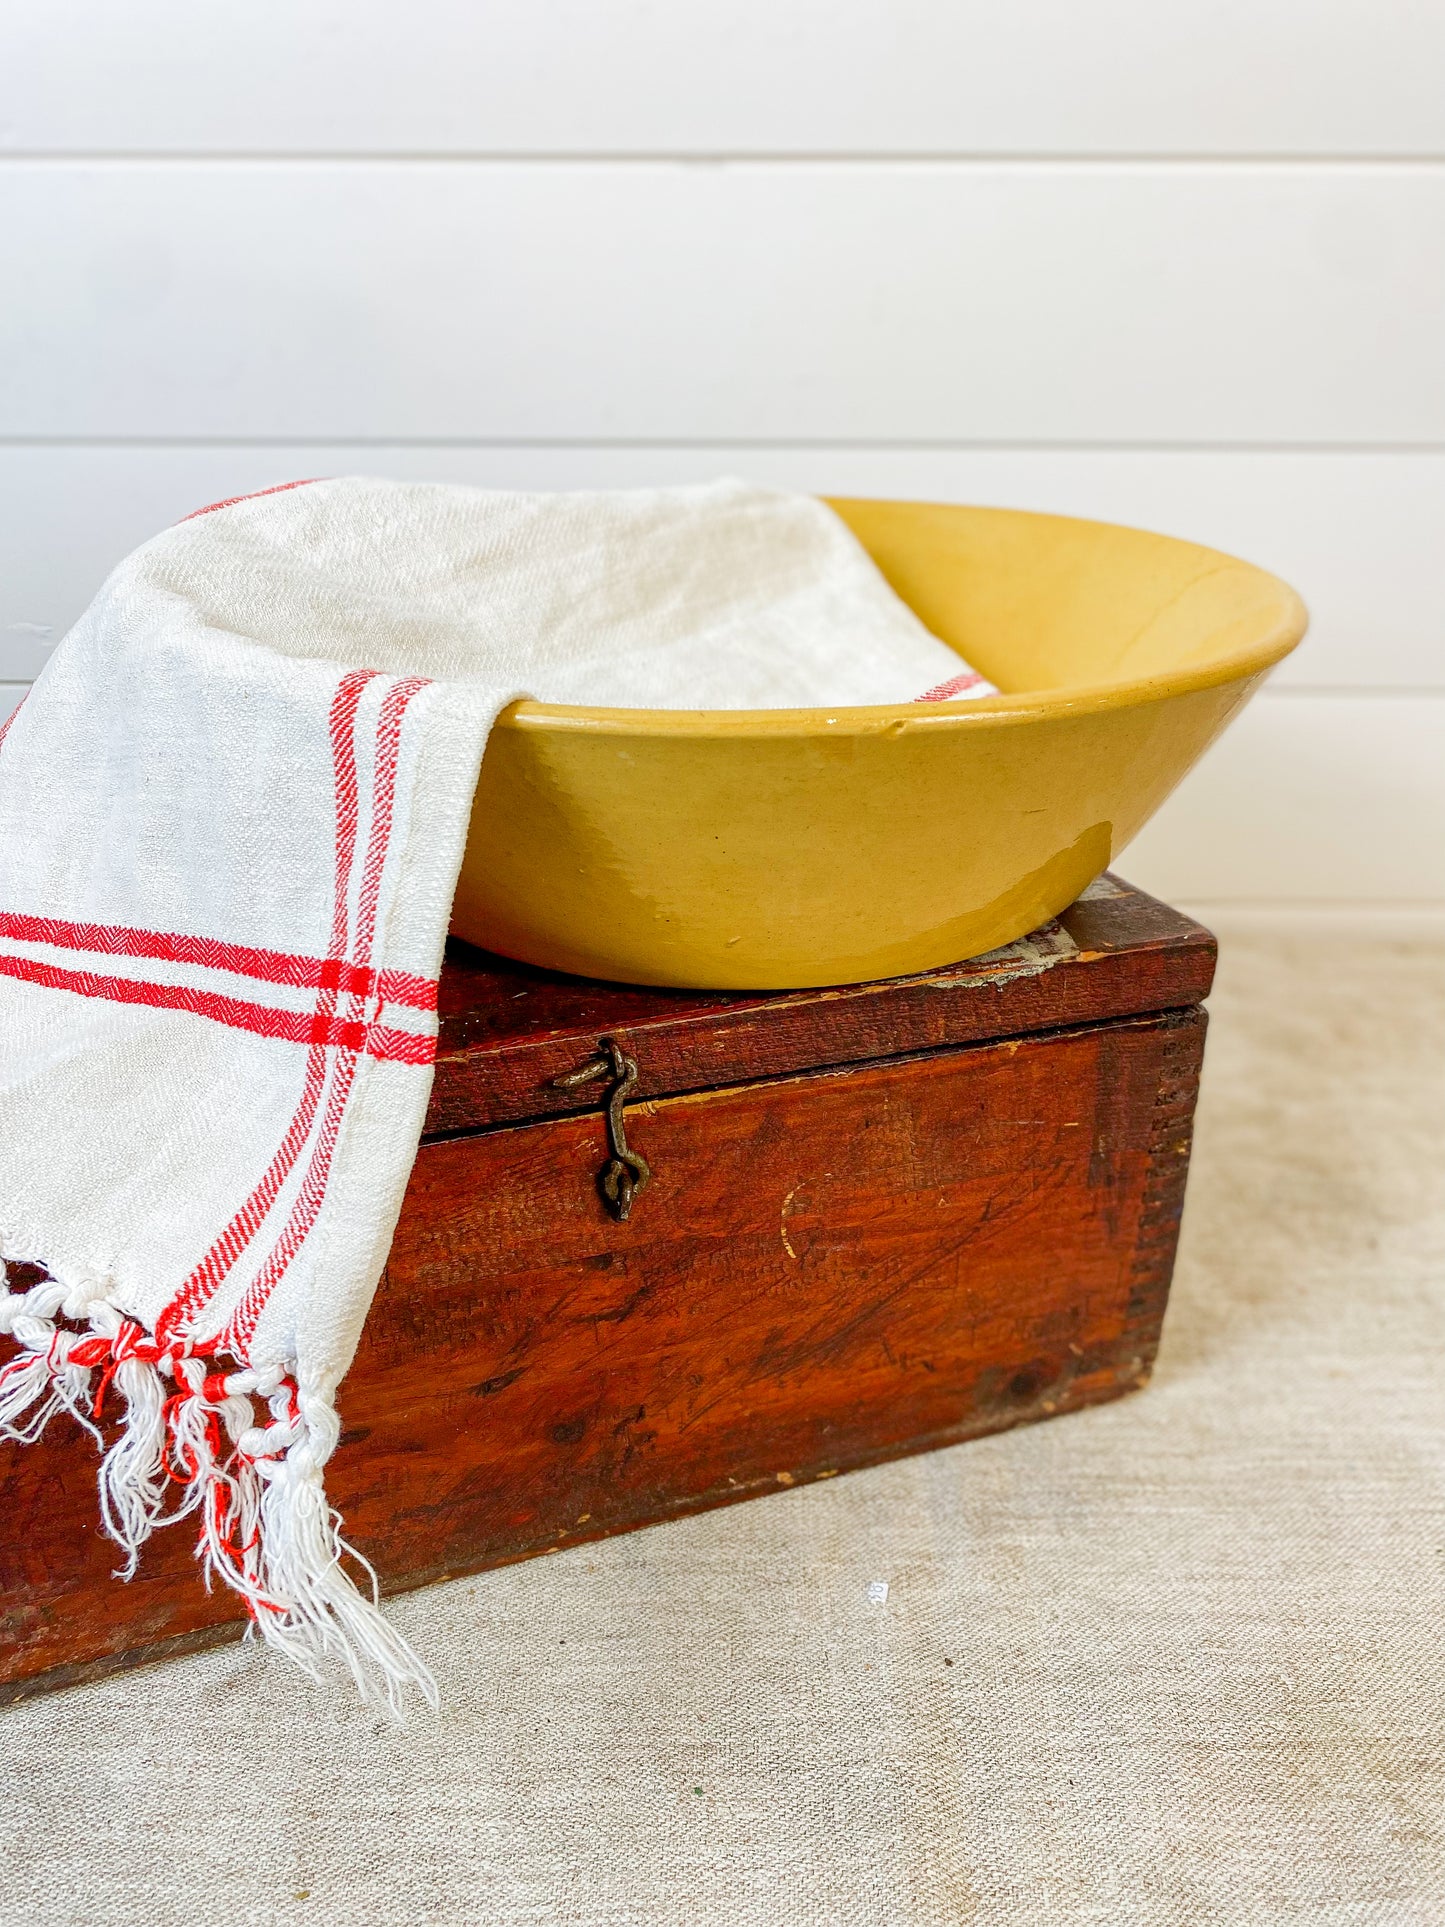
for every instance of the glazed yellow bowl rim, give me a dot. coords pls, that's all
(1280, 635)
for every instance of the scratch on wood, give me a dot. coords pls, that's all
(783, 1222)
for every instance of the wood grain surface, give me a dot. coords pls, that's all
(828, 1270)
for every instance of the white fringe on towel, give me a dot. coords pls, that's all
(189, 1445)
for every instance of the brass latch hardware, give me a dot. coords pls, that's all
(628, 1171)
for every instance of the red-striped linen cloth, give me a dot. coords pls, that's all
(232, 812)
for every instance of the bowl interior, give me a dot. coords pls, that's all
(1044, 603)
(1050, 608)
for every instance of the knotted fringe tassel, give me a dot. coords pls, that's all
(190, 1447)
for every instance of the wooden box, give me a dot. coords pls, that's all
(880, 1219)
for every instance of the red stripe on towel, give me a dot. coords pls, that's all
(955, 686)
(262, 1020)
(5, 726)
(212, 953)
(209, 1274)
(242, 1326)
(255, 496)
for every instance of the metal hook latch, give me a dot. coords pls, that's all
(628, 1171)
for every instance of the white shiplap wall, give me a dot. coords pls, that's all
(1177, 266)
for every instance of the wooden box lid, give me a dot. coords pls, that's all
(508, 1030)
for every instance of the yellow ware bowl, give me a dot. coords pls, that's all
(767, 849)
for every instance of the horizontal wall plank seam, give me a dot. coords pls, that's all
(703, 444)
(679, 158)
(1344, 158)
(1415, 692)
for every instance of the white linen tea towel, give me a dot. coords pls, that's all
(232, 812)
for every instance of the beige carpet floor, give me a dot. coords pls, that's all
(1178, 1660)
